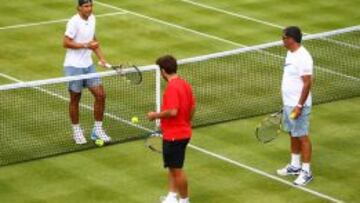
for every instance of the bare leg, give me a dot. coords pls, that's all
(99, 105)
(180, 182)
(295, 145)
(306, 149)
(295, 152)
(172, 186)
(74, 107)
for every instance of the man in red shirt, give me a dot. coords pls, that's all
(176, 114)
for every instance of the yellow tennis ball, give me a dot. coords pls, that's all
(134, 119)
(292, 115)
(99, 142)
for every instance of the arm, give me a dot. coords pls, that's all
(93, 45)
(307, 79)
(306, 89)
(71, 44)
(98, 52)
(70, 34)
(164, 114)
(171, 105)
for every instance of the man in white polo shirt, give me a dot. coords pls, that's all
(296, 95)
(80, 42)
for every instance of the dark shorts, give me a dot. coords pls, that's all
(174, 153)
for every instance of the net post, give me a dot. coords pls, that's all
(157, 94)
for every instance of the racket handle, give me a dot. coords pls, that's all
(106, 65)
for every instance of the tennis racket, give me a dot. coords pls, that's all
(269, 128)
(154, 142)
(132, 73)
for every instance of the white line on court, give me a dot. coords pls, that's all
(206, 6)
(233, 14)
(257, 171)
(54, 21)
(203, 150)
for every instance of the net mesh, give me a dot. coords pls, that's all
(230, 85)
(35, 121)
(247, 82)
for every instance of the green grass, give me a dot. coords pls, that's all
(129, 172)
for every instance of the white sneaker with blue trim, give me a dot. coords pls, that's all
(78, 137)
(99, 133)
(303, 178)
(288, 170)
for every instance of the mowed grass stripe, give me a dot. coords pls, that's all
(201, 193)
(26, 25)
(319, 17)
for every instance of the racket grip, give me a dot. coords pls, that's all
(106, 65)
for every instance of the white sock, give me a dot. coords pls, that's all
(306, 167)
(185, 200)
(172, 194)
(76, 127)
(98, 124)
(295, 160)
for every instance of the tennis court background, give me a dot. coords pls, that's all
(15, 48)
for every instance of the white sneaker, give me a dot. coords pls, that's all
(288, 170)
(168, 199)
(78, 137)
(303, 178)
(99, 133)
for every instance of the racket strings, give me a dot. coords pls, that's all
(135, 77)
(269, 128)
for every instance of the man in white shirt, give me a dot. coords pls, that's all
(80, 42)
(297, 101)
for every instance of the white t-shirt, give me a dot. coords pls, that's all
(81, 31)
(297, 64)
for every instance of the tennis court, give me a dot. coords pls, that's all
(225, 162)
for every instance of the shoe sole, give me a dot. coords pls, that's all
(288, 174)
(80, 143)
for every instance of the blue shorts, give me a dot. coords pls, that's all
(78, 85)
(296, 127)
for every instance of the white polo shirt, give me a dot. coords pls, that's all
(81, 31)
(297, 64)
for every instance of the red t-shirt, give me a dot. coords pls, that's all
(177, 95)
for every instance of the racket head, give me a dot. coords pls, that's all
(269, 128)
(134, 76)
(154, 142)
